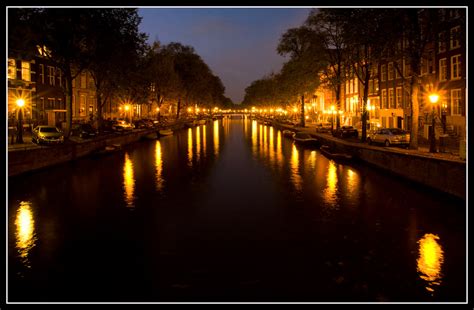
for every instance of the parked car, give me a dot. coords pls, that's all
(83, 130)
(47, 135)
(121, 125)
(323, 127)
(390, 136)
(345, 132)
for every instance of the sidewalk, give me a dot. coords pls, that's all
(450, 154)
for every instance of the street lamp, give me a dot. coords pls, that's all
(127, 108)
(444, 107)
(20, 103)
(433, 99)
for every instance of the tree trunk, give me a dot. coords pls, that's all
(338, 105)
(302, 112)
(178, 108)
(100, 106)
(414, 89)
(68, 93)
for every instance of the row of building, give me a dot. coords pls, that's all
(443, 71)
(40, 84)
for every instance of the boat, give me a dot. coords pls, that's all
(190, 124)
(200, 122)
(288, 133)
(109, 149)
(305, 139)
(151, 136)
(326, 150)
(165, 132)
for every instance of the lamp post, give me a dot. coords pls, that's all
(433, 99)
(444, 107)
(127, 108)
(20, 103)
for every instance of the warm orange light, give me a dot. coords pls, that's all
(434, 98)
(20, 103)
(127, 107)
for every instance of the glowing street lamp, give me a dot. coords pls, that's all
(127, 109)
(434, 100)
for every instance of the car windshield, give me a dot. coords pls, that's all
(87, 127)
(48, 129)
(397, 131)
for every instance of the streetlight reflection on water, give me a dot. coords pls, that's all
(159, 166)
(430, 260)
(25, 231)
(129, 182)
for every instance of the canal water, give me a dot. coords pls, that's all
(230, 211)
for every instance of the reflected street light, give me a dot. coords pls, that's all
(20, 103)
(433, 99)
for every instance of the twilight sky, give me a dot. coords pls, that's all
(238, 44)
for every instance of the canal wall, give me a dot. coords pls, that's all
(25, 160)
(445, 175)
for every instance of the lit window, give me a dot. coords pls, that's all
(384, 98)
(456, 102)
(454, 37)
(383, 72)
(51, 75)
(12, 69)
(390, 71)
(442, 42)
(41, 73)
(456, 67)
(25, 71)
(391, 99)
(399, 97)
(443, 76)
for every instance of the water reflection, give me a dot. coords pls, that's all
(190, 147)
(330, 192)
(430, 260)
(294, 168)
(128, 181)
(198, 143)
(271, 146)
(25, 231)
(216, 137)
(352, 182)
(204, 140)
(159, 166)
(254, 135)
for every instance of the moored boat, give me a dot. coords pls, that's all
(305, 139)
(288, 133)
(326, 150)
(165, 132)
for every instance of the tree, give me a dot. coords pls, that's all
(416, 28)
(115, 48)
(329, 29)
(365, 37)
(61, 34)
(300, 75)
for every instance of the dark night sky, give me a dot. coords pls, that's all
(238, 44)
